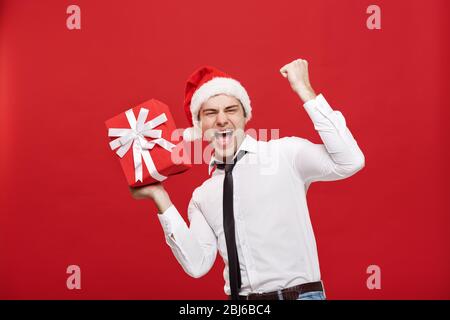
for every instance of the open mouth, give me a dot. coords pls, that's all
(224, 137)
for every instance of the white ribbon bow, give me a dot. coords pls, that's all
(135, 136)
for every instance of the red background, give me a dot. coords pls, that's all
(64, 198)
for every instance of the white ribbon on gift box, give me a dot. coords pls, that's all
(135, 135)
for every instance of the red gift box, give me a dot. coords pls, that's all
(141, 138)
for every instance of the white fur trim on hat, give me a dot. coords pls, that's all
(219, 85)
(192, 133)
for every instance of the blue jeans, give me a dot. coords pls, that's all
(313, 295)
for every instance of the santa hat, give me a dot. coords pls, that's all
(204, 83)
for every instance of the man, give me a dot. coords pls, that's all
(257, 218)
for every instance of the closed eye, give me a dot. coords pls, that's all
(231, 109)
(209, 112)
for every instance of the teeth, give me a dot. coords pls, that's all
(224, 132)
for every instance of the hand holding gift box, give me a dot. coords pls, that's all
(141, 138)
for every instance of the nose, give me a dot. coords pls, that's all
(222, 119)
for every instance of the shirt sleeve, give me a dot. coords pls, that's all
(194, 247)
(338, 157)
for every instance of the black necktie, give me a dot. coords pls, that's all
(228, 226)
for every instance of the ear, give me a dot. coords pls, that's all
(243, 109)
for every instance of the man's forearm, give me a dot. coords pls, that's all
(336, 137)
(305, 93)
(162, 201)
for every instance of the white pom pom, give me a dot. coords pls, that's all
(192, 133)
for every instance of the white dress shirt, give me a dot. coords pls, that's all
(274, 236)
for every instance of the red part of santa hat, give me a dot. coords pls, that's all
(204, 83)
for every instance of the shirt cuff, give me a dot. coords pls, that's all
(170, 220)
(319, 108)
(319, 103)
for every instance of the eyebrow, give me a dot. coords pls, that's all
(227, 107)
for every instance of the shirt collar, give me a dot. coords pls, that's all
(249, 144)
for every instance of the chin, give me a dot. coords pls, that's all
(225, 153)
